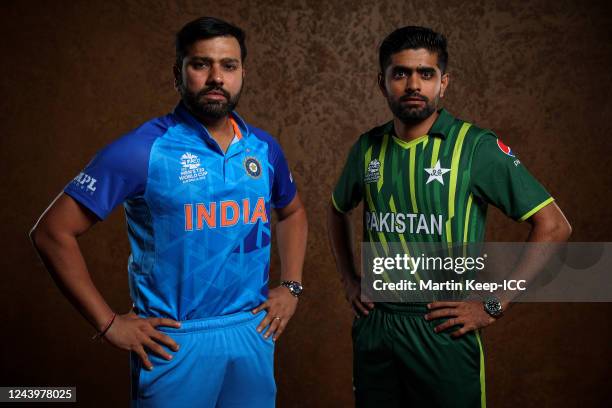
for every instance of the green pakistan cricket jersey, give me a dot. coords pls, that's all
(435, 188)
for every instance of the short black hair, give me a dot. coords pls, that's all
(412, 38)
(204, 28)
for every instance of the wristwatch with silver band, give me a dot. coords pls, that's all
(294, 287)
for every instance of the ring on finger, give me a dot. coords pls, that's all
(277, 318)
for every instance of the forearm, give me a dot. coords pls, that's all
(340, 234)
(544, 241)
(292, 234)
(63, 259)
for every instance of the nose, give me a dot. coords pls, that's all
(413, 83)
(215, 76)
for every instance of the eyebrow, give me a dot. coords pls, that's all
(420, 69)
(208, 59)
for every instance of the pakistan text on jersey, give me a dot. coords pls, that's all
(229, 213)
(404, 223)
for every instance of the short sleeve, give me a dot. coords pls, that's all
(348, 192)
(283, 187)
(115, 174)
(499, 178)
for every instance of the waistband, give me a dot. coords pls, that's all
(417, 309)
(212, 323)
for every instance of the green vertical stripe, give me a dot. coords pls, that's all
(467, 219)
(447, 146)
(436, 151)
(368, 187)
(483, 393)
(381, 235)
(412, 180)
(381, 159)
(475, 235)
(461, 202)
(401, 237)
(400, 179)
(455, 169)
(453, 179)
(370, 205)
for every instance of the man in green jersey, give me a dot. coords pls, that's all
(426, 176)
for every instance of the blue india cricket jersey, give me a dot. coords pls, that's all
(198, 219)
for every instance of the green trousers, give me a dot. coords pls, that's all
(399, 361)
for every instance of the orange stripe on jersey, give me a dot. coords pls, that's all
(237, 131)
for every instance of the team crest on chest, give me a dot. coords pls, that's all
(252, 167)
(436, 173)
(190, 168)
(373, 173)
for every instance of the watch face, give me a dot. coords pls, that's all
(296, 288)
(493, 307)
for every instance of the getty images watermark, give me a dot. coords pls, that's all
(523, 272)
(412, 265)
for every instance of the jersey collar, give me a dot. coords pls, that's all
(442, 125)
(240, 127)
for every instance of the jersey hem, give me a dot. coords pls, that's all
(285, 203)
(335, 204)
(536, 209)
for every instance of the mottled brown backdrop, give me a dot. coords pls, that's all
(76, 75)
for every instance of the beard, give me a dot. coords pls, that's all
(197, 103)
(411, 114)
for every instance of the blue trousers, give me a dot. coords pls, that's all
(222, 362)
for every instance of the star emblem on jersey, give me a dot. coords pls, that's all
(252, 167)
(436, 172)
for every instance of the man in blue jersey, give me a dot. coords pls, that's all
(197, 186)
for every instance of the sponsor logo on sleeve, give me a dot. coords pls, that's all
(85, 182)
(508, 151)
(504, 148)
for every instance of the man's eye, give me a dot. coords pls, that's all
(199, 65)
(427, 74)
(400, 74)
(231, 67)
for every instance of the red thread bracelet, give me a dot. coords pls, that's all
(103, 332)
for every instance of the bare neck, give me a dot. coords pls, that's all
(411, 131)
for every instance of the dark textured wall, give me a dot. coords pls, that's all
(76, 75)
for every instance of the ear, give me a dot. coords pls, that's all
(381, 84)
(444, 84)
(178, 79)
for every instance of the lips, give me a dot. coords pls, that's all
(215, 94)
(412, 99)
